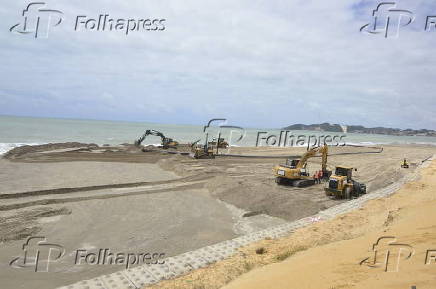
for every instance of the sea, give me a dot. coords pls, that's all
(19, 131)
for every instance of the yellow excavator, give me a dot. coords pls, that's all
(294, 172)
(166, 142)
(341, 185)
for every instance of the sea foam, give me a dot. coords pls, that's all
(5, 147)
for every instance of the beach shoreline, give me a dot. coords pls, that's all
(158, 201)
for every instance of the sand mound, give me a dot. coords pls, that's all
(27, 149)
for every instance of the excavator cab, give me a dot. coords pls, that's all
(345, 172)
(294, 172)
(292, 163)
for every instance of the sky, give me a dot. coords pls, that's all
(257, 63)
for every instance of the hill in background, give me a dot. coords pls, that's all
(361, 129)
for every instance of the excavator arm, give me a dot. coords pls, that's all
(311, 153)
(324, 154)
(142, 138)
(164, 140)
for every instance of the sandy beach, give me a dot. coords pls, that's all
(349, 251)
(84, 196)
(403, 225)
(217, 144)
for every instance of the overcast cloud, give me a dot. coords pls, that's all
(265, 63)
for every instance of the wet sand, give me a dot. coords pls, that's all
(128, 200)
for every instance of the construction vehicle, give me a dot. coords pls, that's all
(222, 144)
(405, 164)
(209, 149)
(165, 141)
(294, 172)
(202, 151)
(342, 186)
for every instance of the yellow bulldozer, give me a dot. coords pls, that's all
(199, 151)
(341, 184)
(294, 172)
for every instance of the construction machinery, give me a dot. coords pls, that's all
(405, 164)
(341, 184)
(209, 149)
(165, 141)
(294, 172)
(202, 151)
(222, 144)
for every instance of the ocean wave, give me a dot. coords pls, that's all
(365, 143)
(5, 147)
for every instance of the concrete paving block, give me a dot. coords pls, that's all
(243, 240)
(306, 221)
(160, 271)
(395, 187)
(326, 215)
(177, 265)
(298, 223)
(261, 235)
(213, 253)
(254, 237)
(277, 232)
(290, 227)
(228, 245)
(95, 283)
(287, 227)
(225, 248)
(117, 280)
(193, 260)
(140, 277)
